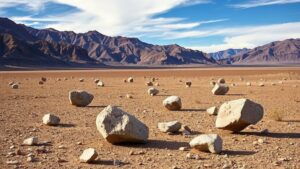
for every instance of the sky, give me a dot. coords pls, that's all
(206, 25)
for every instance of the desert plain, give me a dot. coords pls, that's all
(271, 143)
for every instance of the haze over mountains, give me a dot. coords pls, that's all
(21, 45)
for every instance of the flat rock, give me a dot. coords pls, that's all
(172, 103)
(207, 142)
(220, 89)
(117, 126)
(172, 126)
(51, 120)
(88, 155)
(238, 114)
(80, 98)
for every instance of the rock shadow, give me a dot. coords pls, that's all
(273, 135)
(65, 125)
(237, 152)
(192, 110)
(159, 144)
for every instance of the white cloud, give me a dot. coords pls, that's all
(257, 3)
(250, 37)
(28, 5)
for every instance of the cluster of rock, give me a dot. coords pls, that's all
(220, 88)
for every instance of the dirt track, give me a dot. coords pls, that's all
(22, 109)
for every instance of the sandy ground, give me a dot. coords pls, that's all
(21, 112)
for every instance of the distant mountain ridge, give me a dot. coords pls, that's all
(21, 45)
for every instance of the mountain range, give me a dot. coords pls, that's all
(21, 45)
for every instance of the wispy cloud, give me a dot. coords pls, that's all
(27, 5)
(249, 37)
(257, 3)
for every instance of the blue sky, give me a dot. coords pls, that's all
(207, 25)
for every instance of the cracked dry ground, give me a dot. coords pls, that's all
(21, 112)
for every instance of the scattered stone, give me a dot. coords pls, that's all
(149, 83)
(221, 80)
(61, 147)
(152, 91)
(80, 98)
(157, 84)
(212, 110)
(43, 79)
(11, 83)
(188, 84)
(14, 86)
(261, 84)
(172, 126)
(183, 148)
(51, 120)
(81, 80)
(130, 80)
(30, 141)
(41, 82)
(117, 126)
(248, 83)
(172, 103)
(96, 81)
(129, 96)
(30, 159)
(100, 84)
(207, 142)
(14, 162)
(233, 84)
(79, 143)
(88, 155)
(125, 81)
(212, 83)
(236, 115)
(220, 89)
(260, 141)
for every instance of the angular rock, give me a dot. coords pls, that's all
(212, 110)
(88, 155)
(30, 141)
(130, 80)
(172, 103)
(220, 89)
(51, 120)
(80, 98)
(117, 126)
(238, 114)
(207, 142)
(172, 126)
(152, 91)
(221, 80)
(100, 84)
(188, 84)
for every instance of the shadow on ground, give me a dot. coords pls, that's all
(273, 135)
(160, 144)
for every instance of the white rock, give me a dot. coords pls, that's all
(30, 141)
(80, 98)
(207, 142)
(51, 120)
(172, 103)
(100, 84)
(220, 89)
(117, 126)
(261, 84)
(248, 83)
(212, 110)
(88, 155)
(172, 126)
(130, 80)
(238, 114)
(152, 91)
(15, 162)
(129, 96)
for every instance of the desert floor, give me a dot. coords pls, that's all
(21, 112)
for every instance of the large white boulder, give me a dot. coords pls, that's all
(117, 126)
(172, 126)
(80, 98)
(236, 115)
(207, 142)
(220, 89)
(172, 103)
